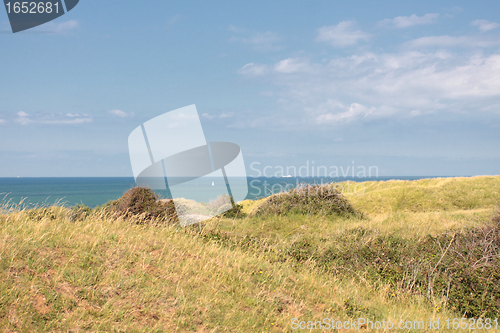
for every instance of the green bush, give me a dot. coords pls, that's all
(470, 272)
(235, 212)
(308, 199)
(457, 270)
(38, 214)
(79, 212)
(143, 205)
(461, 270)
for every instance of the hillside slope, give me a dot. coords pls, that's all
(257, 273)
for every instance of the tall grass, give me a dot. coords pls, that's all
(105, 274)
(87, 270)
(425, 195)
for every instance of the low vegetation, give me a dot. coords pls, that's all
(143, 205)
(425, 195)
(496, 218)
(307, 199)
(411, 258)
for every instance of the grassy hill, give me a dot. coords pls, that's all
(422, 250)
(427, 195)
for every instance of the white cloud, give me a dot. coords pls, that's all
(252, 69)
(58, 28)
(259, 41)
(411, 82)
(120, 113)
(402, 22)
(207, 116)
(72, 115)
(223, 115)
(3, 121)
(485, 25)
(226, 115)
(342, 34)
(23, 118)
(452, 41)
(68, 119)
(66, 26)
(369, 86)
(426, 75)
(355, 110)
(291, 65)
(55, 28)
(236, 29)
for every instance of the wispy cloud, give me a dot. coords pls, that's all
(120, 113)
(402, 22)
(252, 69)
(370, 85)
(291, 65)
(57, 28)
(173, 20)
(222, 115)
(258, 41)
(342, 34)
(24, 118)
(236, 29)
(64, 27)
(226, 114)
(3, 121)
(347, 114)
(485, 25)
(67, 121)
(453, 41)
(207, 116)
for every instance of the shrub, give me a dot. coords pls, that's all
(220, 205)
(37, 214)
(308, 199)
(143, 205)
(235, 212)
(468, 272)
(496, 218)
(460, 269)
(78, 212)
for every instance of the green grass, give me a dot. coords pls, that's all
(426, 195)
(98, 273)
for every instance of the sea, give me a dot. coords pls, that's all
(95, 191)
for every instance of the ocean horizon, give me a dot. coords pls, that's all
(29, 192)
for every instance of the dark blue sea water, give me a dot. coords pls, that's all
(97, 191)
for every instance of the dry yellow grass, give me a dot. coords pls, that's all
(105, 275)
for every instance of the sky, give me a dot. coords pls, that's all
(412, 88)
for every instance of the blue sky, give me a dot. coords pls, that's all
(410, 87)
